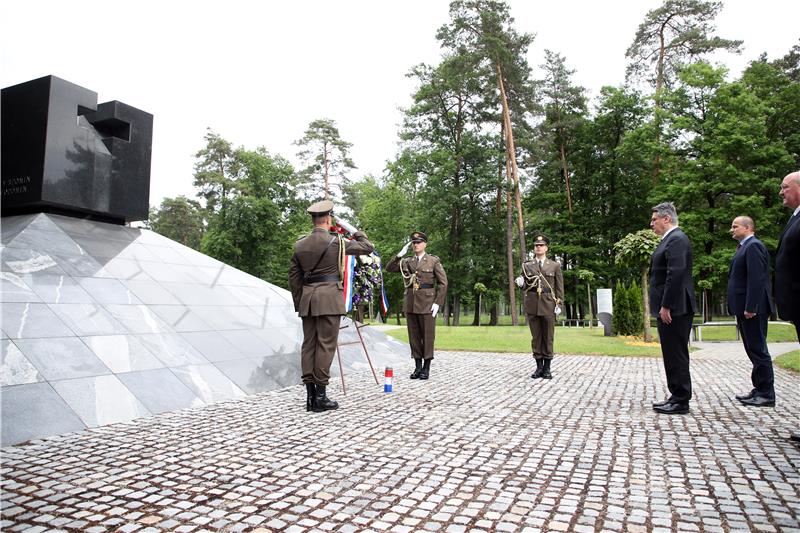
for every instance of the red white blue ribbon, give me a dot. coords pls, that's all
(349, 274)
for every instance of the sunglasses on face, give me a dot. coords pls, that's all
(535, 245)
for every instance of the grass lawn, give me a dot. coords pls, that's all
(789, 360)
(517, 339)
(776, 333)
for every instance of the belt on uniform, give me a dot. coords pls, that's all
(544, 291)
(320, 279)
(426, 285)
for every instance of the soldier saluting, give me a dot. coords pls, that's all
(426, 286)
(543, 284)
(315, 279)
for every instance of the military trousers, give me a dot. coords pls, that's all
(320, 334)
(542, 331)
(421, 334)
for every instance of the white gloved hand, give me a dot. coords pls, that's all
(519, 281)
(434, 310)
(557, 310)
(346, 225)
(404, 251)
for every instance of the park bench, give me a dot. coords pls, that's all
(577, 322)
(697, 329)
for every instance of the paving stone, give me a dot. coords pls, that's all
(583, 452)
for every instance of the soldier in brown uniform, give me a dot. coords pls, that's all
(315, 278)
(543, 284)
(426, 287)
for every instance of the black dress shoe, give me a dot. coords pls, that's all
(672, 408)
(795, 436)
(747, 396)
(662, 403)
(758, 401)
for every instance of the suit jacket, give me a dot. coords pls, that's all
(748, 279)
(428, 271)
(551, 280)
(787, 271)
(671, 284)
(324, 297)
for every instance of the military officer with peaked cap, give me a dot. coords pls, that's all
(426, 287)
(315, 279)
(543, 284)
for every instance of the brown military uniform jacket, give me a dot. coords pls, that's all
(551, 281)
(321, 297)
(428, 274)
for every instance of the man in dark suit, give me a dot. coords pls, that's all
(315, 278)
(787, 260)
(672, 301)
(750, 302)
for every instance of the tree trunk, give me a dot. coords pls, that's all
(657, 105)
(589, 303)
(648, 335)
(325, 171)
(476, 319)
(708, 294)
(511, 156)
(512, 288)
(493, 315)
(456, 310)
(446, 316)
(565, 169)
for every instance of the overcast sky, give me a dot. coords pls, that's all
(257, 72)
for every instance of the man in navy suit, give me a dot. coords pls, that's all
(750, 302)
(787, 259)
(672, 301)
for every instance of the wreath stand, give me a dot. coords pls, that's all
(363, 346)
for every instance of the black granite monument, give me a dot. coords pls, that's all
(63, 153)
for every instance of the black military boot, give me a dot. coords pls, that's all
(417, 369)
(322, 402)
(539, 368)
(426, 369)
(546, 371)
(311, 391)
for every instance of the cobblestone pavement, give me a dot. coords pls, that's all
(479, 447)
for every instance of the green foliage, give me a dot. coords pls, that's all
(635, 304)
(627, 310)
(179, 219)
(636, 249)
(257, 219)
(214, 172)
(729, 166)
(327, 158)
(719, 147)
(672, 35)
